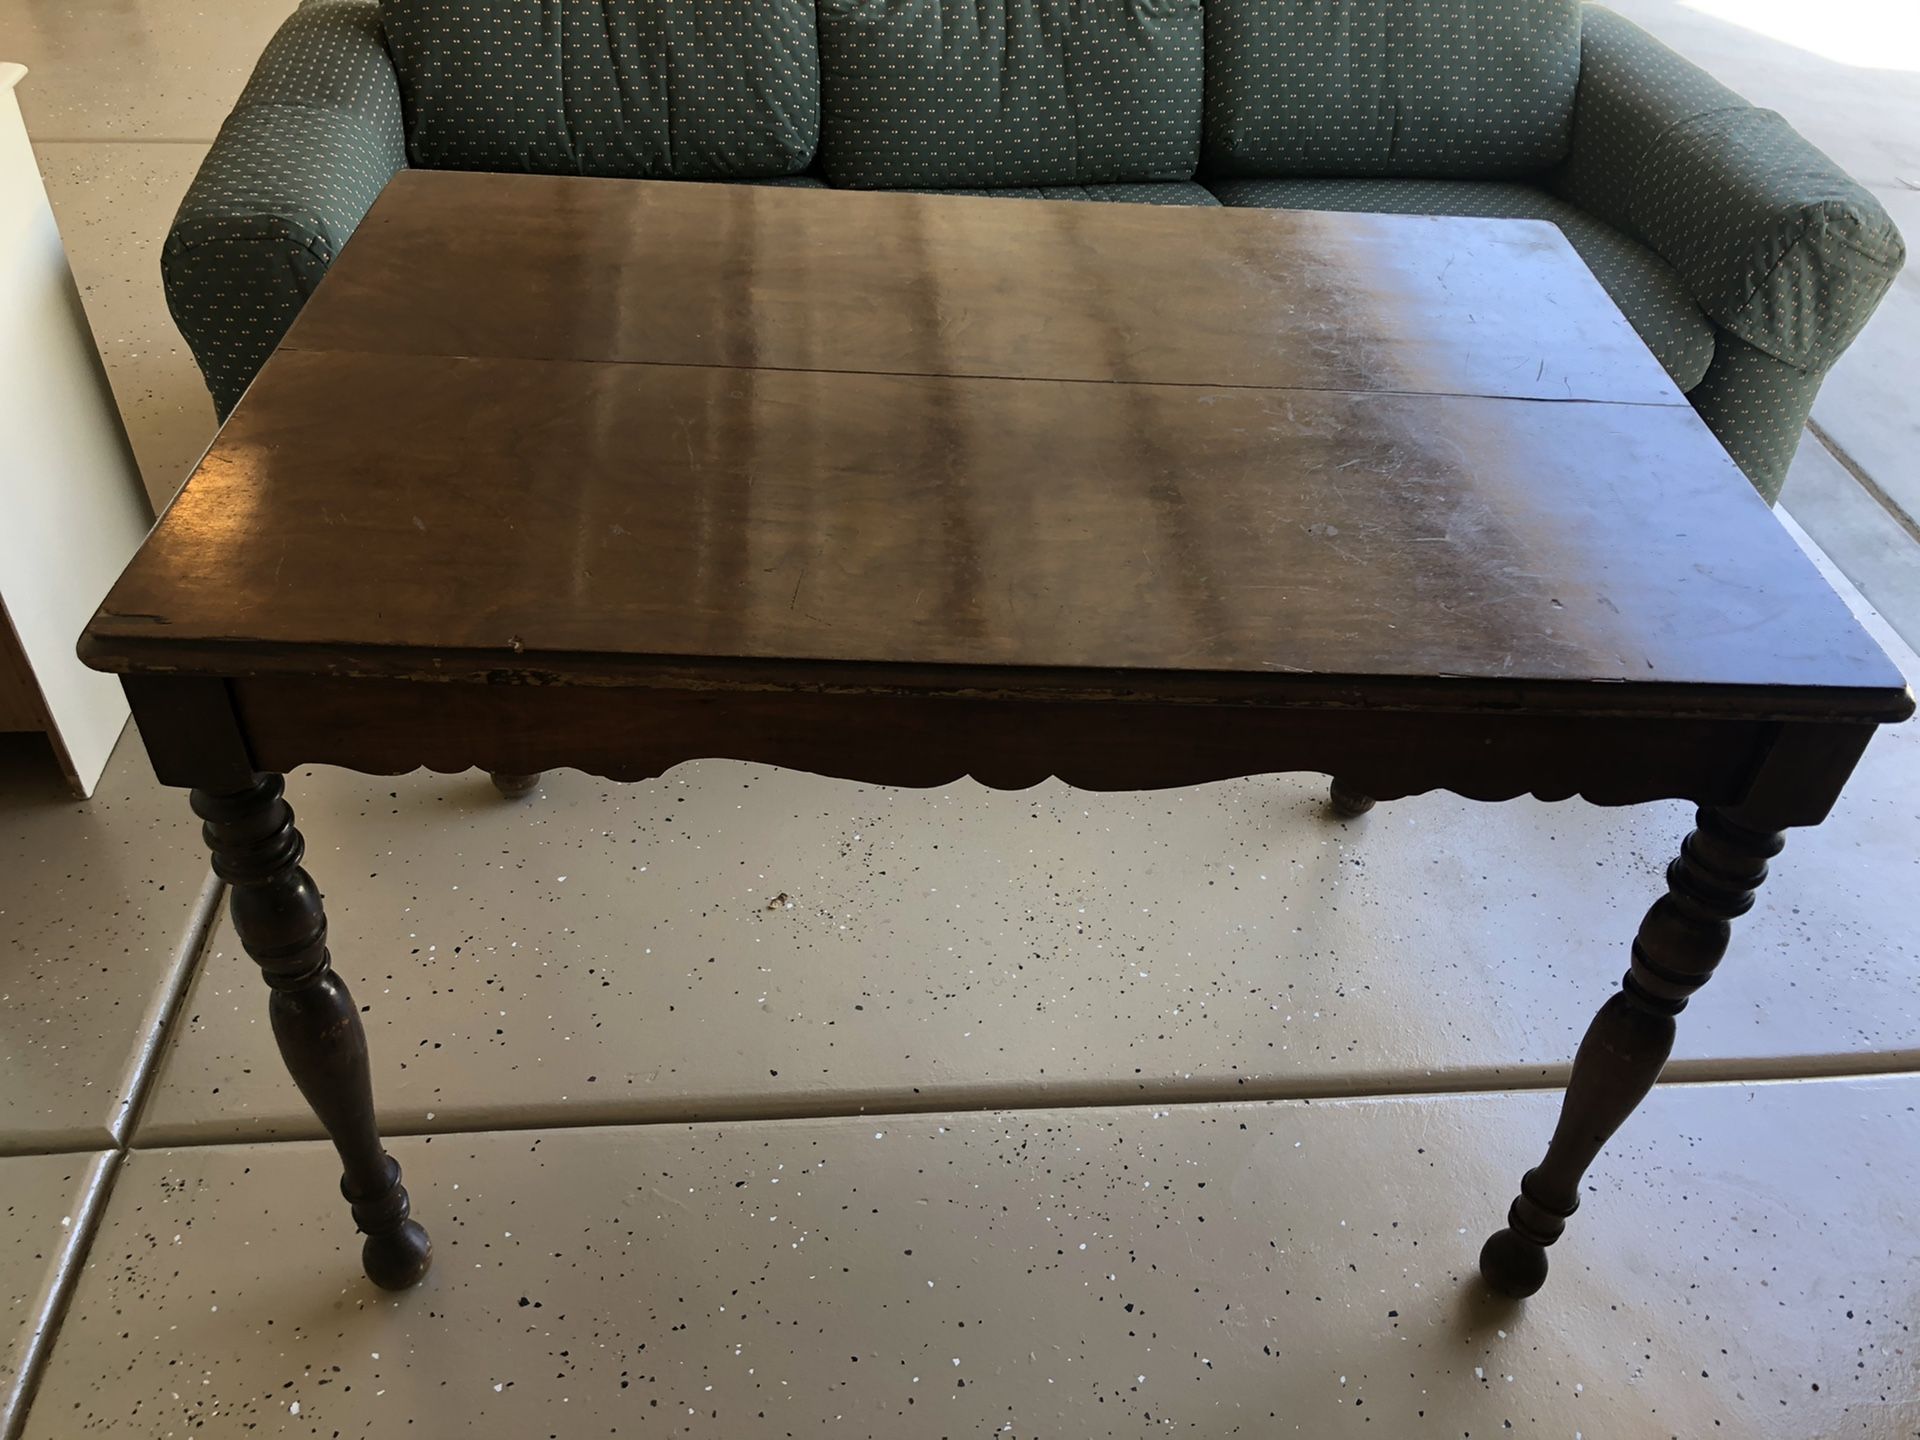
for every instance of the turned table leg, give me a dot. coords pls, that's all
(1680, 942)
(1346, 800)
(278, 915)
(514, 787)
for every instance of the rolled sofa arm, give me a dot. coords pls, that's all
(315, 137)
(1784, 252)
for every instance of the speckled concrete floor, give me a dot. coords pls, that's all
(1110, 1179)
(1291, 1268)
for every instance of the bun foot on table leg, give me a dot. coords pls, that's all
(398, 1252)
(515, 787)
(1513, 1262)
(1346, 800)
(398, 1260)
(1513, 1266)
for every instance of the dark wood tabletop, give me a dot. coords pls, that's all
(594, 429)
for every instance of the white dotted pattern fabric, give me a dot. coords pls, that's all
(668, 89)
(1466, 89)
(1780, 246)
(1785, 253)
(1009, 92)
(315, 138)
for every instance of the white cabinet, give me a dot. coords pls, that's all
(72, 509)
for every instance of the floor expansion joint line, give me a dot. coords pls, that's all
(146, 1063)
(33, 1357)
(193, 948)
(1697, 1073)
(1865, 481)
(121, 140)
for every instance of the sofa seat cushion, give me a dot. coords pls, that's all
(693, 90)
(1462, 89)
(1160, 192)
(1643, 285)
(1009, 92)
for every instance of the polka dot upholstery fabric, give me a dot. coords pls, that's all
(1757, 407)
(314, 139)
(1009, 92)
(667, 89)
(1465, 89)
(1784, 252)
(1643, 285)
(1633, 90)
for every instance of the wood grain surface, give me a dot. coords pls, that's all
(594, 432)
(761, 277)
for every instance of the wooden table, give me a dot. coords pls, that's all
(612, 474)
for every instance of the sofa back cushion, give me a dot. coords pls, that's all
(1010, 92)
(1467, 89)
(685, 89)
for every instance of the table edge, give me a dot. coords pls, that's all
(1891, 703)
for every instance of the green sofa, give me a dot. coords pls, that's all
(1743, 256)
